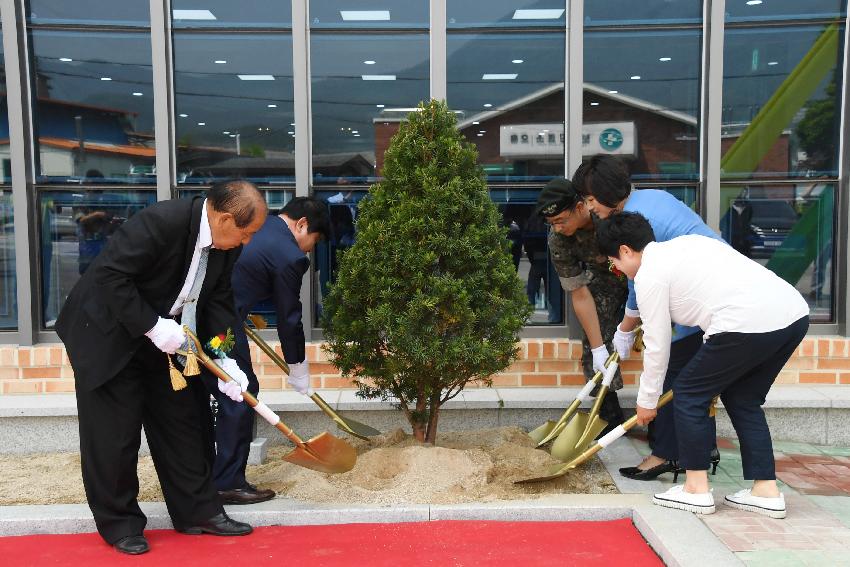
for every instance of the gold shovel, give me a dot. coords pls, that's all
(560, 470)
(552, 429)
(324, 452)
(585, 427)
(350, 426)
(577, 438)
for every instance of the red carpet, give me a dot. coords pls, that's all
(513, 544)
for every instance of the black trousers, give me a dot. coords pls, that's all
(111, 418)
(741, 367)
(662, 430)
(234, 423)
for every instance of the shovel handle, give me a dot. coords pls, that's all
(610, 437)
(249, 398)
(621, 429)
(277, 359)
(608, 376)
(266, 348)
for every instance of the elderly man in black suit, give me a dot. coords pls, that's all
(170, 261)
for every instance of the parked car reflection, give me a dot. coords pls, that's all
(762, 225)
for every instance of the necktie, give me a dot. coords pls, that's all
(190, 306)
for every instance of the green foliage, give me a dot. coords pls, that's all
(818, 131)
(427, 299)
(254, 150)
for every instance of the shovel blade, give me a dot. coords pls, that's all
(564, 447)
(556, 471)
(594, 428)
(556, 430)
(324, 453)
(353, 427)
(538, 434)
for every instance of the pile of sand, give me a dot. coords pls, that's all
(473, 466)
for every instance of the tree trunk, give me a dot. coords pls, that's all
(433, 418)
(418, 424)
(419, 432)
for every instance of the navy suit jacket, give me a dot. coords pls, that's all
(272, 267)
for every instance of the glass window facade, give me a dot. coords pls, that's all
(89, 12)
(505, 80)
(366, 14)
(781, 121)
(646, 12)
(227, 72)
(772, 10)
(8, 286)
(789, 229)
(6, 172)
(362, 85)
(75, 226)
(342, 208)
(781, 100)
(508, 92)
(506, 14)
(227, 14)
(234, 107)
(641, 100)
(529, 237)
(93, 108)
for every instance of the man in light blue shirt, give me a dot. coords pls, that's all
(604, 183)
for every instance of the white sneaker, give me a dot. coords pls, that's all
(677, 498)
(744, 500)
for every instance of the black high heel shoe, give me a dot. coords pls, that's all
(715, 459)
(636, 473)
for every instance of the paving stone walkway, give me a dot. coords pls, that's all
(816, 482)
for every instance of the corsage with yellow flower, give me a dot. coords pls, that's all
(221, 344)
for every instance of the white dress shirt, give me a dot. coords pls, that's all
(204, 240)
(698, 281)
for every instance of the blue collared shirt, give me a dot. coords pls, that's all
(669, 218)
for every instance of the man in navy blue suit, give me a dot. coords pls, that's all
(270, 268)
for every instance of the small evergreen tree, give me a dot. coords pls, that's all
(427, 300)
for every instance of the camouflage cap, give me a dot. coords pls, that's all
(557, 196)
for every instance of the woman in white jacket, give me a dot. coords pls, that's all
(753, 321)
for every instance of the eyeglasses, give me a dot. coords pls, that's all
(561, 222)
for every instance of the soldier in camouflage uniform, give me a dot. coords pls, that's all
(598, 295)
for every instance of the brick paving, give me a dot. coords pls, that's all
(816, 482)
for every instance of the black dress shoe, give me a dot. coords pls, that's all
(132, 545)
(245, 495)
(636, 473)
(220, 524)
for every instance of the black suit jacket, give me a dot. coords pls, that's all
(134, 280)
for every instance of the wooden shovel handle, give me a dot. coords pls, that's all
(258, 406)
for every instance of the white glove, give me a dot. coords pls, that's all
(299, 378)
(167, 335)
(623, 342)
(235, 387)
(600, 355)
